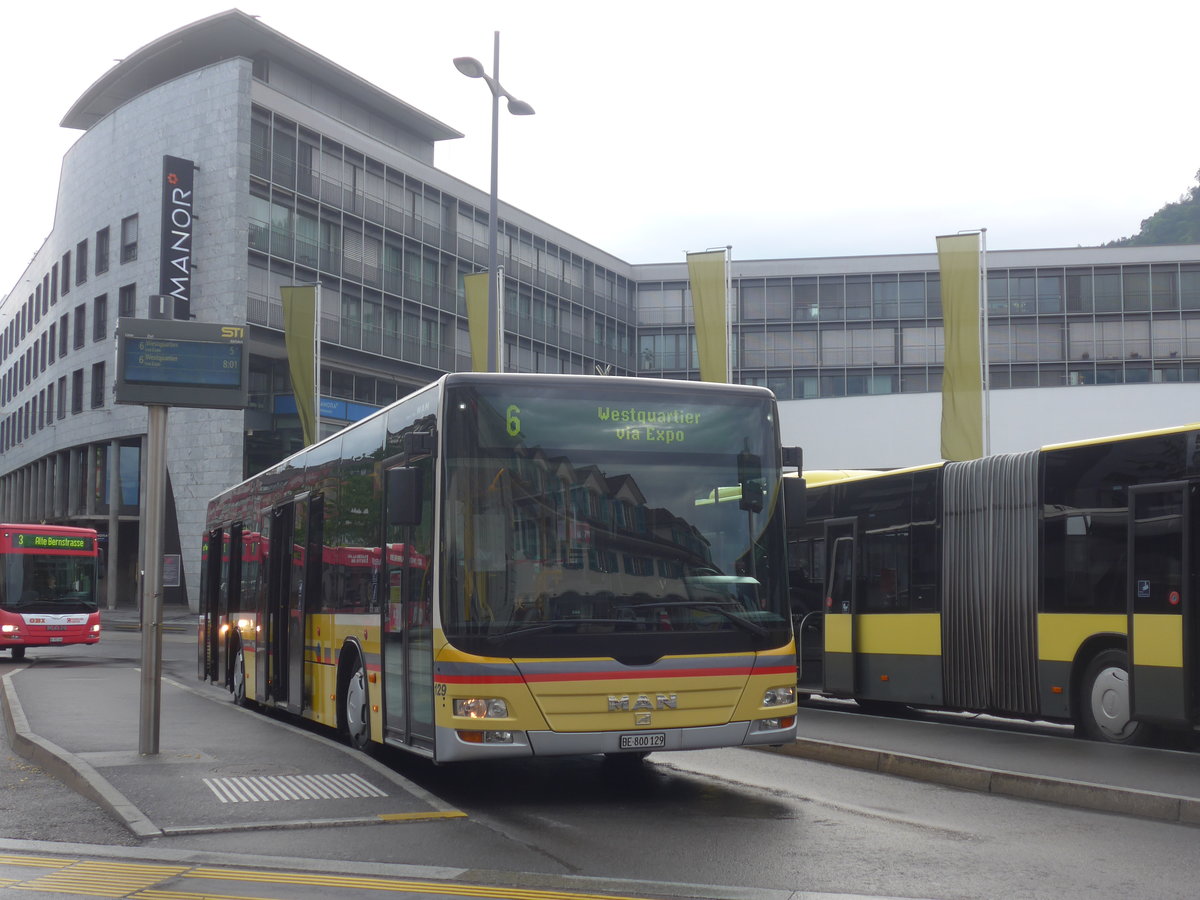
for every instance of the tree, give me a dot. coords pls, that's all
(1175, 223)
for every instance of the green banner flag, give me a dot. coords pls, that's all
(962, 381)
(476, 288)
(299, 336)
(706, 272)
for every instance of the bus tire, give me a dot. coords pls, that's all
(238, 687)
(355, 703)
(18, 653)
(1104, 703)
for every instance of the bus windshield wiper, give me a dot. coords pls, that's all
(739, 621)
(549, 625)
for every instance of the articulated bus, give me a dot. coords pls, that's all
(1058, 584)
(47, 587)
(516, 565)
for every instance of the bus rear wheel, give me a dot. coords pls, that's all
(356, 713)
(1104, 706)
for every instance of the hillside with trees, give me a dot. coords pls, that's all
(1175, 223)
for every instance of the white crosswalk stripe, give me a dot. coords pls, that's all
(251, 789)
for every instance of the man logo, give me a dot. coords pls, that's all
(660, 701)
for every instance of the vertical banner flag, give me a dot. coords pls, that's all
(962, 383)
(706, 272)
(299, 335)
(476, 287)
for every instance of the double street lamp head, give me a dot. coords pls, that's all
(473, 68)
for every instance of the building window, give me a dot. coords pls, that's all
(77, 392)
(50, 404)
(129, 238)
(81, 262)
(62, 396)
(100, 317)
(80, 325)
(62, 335)
(51, 342)
(102, 250)
(98, 385)
(66, 273)
(127, 301)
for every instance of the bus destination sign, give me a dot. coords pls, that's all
(24, 540)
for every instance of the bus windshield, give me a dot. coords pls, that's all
(574, 519)
(44, 583)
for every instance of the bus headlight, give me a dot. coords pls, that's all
(9, 629)
(779, 696)
(96, 628)
(481, 708)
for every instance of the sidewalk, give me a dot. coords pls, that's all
(1135, 781)
(176, 618)
(211, 772)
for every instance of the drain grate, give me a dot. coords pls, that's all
(260, 788)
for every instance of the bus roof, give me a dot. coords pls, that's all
(818, 477)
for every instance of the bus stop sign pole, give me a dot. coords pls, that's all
(152, 582)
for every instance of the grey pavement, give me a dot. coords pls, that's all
(1054, 768)
(81, 722)
(176, 618)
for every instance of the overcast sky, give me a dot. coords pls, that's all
(783, 129)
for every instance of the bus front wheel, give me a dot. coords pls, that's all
(356, 714)
(238, 688)
(18, 653)
(1105, 710)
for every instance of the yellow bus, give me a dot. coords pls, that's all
(516, 565)
(1058, 584)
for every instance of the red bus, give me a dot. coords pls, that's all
(47, 587)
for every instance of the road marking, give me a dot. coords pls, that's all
(102, 879)
(253, 789)
(363, 883)
(137, 881)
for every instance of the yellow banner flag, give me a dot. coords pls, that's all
(476, 288)
(706, 272)
(962, 381)
(299, 336)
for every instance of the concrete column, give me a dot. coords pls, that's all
(89, 496)
(114, 520)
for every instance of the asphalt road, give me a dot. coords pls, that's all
(729, 823)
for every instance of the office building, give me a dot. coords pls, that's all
(306, 174)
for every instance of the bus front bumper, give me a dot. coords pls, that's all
(452, 748)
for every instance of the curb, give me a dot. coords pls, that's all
(1065, 792)
(68, 768)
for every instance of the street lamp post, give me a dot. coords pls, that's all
(473, 68)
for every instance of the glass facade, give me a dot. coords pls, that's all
(390, 253)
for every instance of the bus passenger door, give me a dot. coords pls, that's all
(408, 619)
(840, 606)
(286, 602)
(1161, 618)
(210, 607)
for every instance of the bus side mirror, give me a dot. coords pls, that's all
(750, 478)
(794, 509)
(404, 499)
